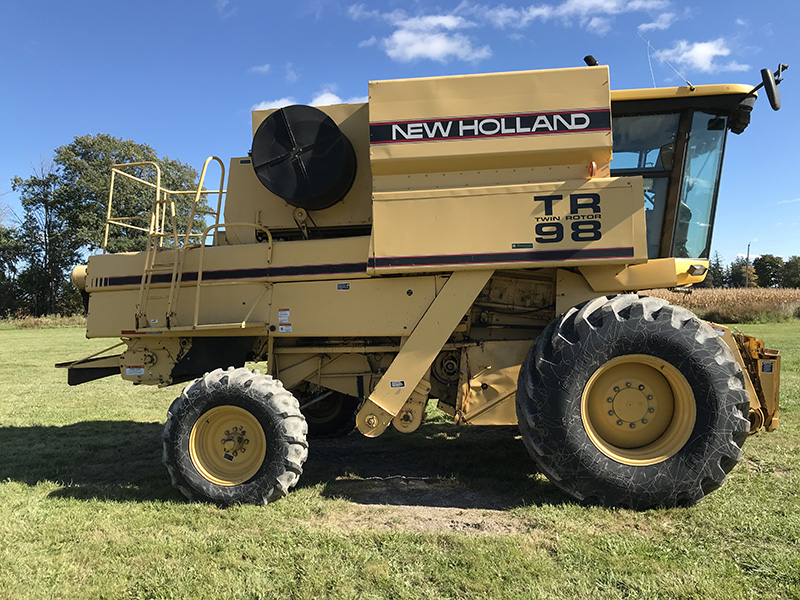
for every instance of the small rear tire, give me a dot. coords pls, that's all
(235, 437)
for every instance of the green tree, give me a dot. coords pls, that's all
(738, 274)
(65, 208)
(791, 272)
(769, 270)
(49, 243)
(85, 177)
(716, 272)
(10, 256)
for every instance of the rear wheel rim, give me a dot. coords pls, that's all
(227, 445)
(638, 409)
(325, 410)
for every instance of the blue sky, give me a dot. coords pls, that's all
(183, 76)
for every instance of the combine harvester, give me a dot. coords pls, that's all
(467, 239)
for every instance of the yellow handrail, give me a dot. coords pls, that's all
(158, 216)
(202, 252)
(219, 193)
(116, 169)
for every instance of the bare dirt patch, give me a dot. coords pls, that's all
(425, 519)
(440, 479)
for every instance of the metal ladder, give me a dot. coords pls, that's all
(163, 240)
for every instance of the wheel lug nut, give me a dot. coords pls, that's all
(628, 384)
(643, 421)
(616, 388)
(649, 396)
(609, 399)
(611, 412)
(619, 421)
(641, 387)
(651, 409)
(633, 425)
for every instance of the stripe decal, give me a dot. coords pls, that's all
(490, 126)
(258, 273)
(501, 257)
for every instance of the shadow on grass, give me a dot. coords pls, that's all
(440, 465)
(109, 460)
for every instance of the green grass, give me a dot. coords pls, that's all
(86, 510)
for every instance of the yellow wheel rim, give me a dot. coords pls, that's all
(227, 445)
(638, 409)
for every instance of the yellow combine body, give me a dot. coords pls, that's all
(467, 239)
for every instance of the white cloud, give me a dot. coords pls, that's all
(594, 15)
(701, 56)
(443, 36)
(279, 103)
(222, 8)
(663, 22)
(260, 69)
(325, 98)
(406, 45)
(789, 201)
(327, 95)
(434, 37)
(291, 74)
(599, 25)
(432, 22)
(359, 12)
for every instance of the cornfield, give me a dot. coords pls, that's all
(737, 305)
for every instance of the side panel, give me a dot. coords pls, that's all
(578, 222)
(350, 308)
(497, 120)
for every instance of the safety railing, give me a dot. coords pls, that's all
(162, 233)
(163, 210)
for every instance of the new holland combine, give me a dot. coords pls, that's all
(467, 239)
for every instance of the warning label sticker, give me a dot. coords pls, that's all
(134, 370)
(285, 328)
(283, 315)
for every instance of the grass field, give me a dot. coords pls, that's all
(86, 510)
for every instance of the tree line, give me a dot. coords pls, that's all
(766, 271)
(64, 203)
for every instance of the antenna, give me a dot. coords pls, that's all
(661, 56)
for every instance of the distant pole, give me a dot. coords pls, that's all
(747, 268)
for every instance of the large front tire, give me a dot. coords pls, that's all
(631, 401)
(235, 437)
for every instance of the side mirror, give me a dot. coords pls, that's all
(771, 88)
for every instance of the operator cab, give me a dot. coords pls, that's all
(675, 139)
